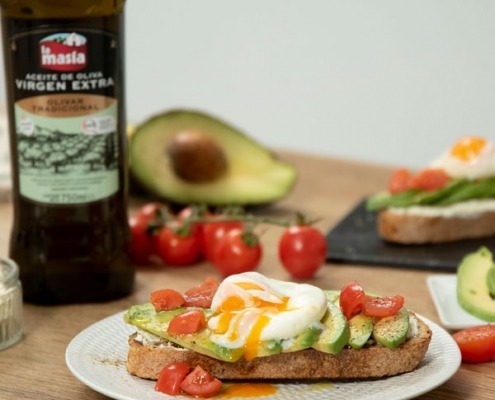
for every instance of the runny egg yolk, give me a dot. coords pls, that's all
(232, 306)
(251, 312)
(468, 148)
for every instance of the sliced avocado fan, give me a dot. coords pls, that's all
(190, 157)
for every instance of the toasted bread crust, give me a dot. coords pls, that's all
(417, 229)
(371, 362)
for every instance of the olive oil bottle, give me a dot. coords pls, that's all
(64, 72)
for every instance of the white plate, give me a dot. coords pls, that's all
(97, 355)
(443, 289)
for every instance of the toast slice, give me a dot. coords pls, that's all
(414, 228)
(374, 361)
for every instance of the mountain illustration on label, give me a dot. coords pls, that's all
(63, 52)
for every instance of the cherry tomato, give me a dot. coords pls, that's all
(430, 179)
(302, 250)
(142, 241)
(153, 210)
(166, 299)
(171, 377)
(144, 225)
(352, 298)
(201, 383)
(236, 252)
(400, 181)
(191, 212)
(191, 321)
(477, 344)
(212, 232)
(382, 306)
(202, 295)
(176, 247)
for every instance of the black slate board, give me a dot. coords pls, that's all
(354, 240)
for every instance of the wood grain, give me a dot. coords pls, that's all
(326, 189)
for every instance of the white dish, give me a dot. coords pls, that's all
(443, 289)
(97, 355)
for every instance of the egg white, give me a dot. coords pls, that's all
(482, 166)
(306, 305)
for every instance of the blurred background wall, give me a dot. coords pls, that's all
(386, 81)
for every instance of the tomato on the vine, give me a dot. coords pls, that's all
(238, 251)
(302, 250)
(191, 212)
(201, 383)
(142, 246)
(177, 247)
(212, 232)
(477, 344)
(171, 377)
(352, 298)
(144, 225)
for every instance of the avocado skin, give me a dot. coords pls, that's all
(473, 293)
(254, 176)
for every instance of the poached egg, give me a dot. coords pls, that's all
(249, 308)
(471, 157)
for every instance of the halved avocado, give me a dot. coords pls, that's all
(190, 157)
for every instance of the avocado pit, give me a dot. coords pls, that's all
(197, 157)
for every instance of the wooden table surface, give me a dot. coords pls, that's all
(327, 188)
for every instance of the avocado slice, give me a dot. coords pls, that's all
(186, 157)
(473, 293)
(361, 328)
(337, 333)
(391, 332)
(145, 317)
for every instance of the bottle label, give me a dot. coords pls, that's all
(66, 114)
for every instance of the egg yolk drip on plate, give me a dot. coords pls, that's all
(250, 308)
(471, 157)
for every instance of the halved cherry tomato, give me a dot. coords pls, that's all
(236, 252)
(477, 344)
(166, 299)
(430, 179)
(177, 247)
(171, 377)
(352, 298)
(400, 181)
(201, 383)
(188, 322)
(212, 232)
(202, 295)
(302, 250)
(382, 306)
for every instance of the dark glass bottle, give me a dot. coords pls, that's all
(65, 97)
